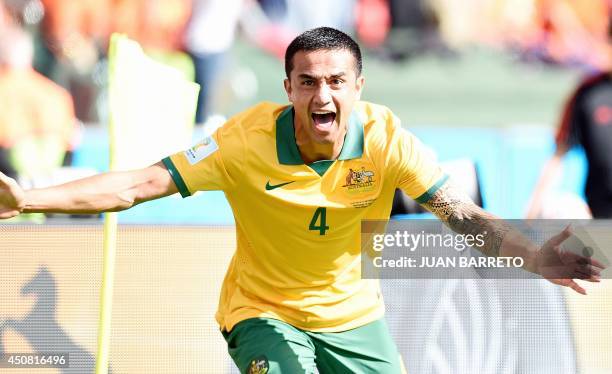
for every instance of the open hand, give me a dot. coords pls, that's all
(11, 197)
(561, 267)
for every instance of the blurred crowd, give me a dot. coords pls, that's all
(52, 52)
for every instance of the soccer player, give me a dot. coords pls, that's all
(300, 178)
(586, 121)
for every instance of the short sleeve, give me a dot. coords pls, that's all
(212, 164)
(418, 173)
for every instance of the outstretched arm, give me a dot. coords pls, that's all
(458, 211)
(107, 192)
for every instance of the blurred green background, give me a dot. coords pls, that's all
(479, 87)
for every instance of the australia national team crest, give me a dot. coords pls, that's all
(359, 180)
(259, 366)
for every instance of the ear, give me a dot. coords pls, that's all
(287, 84)
(359, 82)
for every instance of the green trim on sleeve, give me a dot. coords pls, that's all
(432, 190)
(176, 177)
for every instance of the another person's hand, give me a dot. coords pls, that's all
(561, 267)
(11, 197)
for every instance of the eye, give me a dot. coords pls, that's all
(308, 82)
(337, 81)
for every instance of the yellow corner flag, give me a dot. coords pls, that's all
(151, 115)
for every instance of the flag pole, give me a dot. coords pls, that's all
(109, 240)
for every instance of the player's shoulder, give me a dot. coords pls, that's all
(258, 119)
(372, 112)
(376, 117)
(379, 122)
(262, 115)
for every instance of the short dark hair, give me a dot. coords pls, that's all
(322, 38)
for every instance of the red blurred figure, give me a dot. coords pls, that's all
(373, 22)
(153, 23)
(574, 31)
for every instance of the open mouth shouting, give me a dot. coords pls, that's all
(323, 120)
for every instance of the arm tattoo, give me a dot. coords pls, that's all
(458, 211)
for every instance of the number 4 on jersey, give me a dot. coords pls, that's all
(320, 216)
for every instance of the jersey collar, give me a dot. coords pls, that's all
(287, 149)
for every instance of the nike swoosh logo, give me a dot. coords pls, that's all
(270, 187)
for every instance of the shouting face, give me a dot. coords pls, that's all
(323, 87)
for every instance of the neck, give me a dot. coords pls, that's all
(312, 152)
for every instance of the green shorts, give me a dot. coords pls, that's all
(269, 346)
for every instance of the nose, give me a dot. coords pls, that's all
(322, 95)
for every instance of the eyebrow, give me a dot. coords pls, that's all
(308, 76)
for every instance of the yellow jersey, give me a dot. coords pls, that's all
(298, 226)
